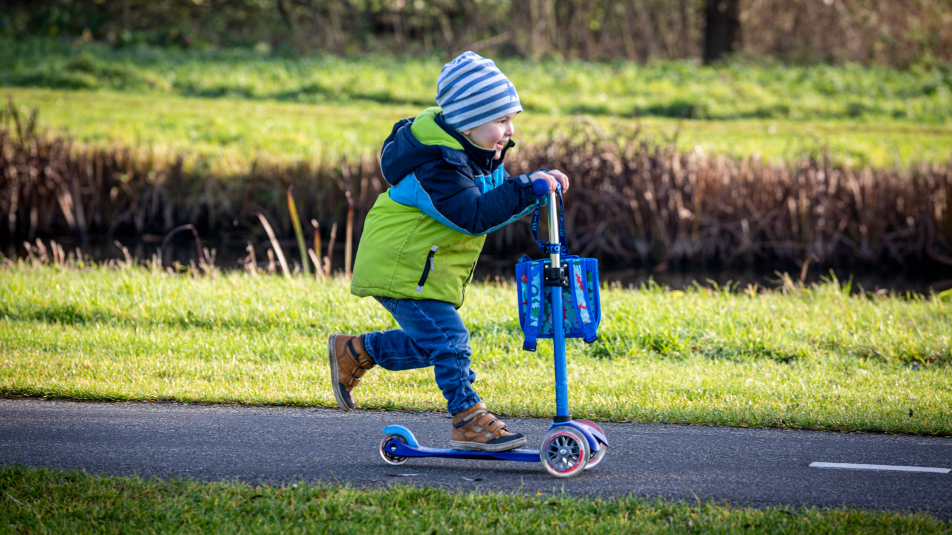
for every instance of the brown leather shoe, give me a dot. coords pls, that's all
(349, 361)
(477, 429)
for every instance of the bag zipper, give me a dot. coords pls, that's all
(427, 267)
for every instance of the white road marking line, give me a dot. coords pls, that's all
(850, 466)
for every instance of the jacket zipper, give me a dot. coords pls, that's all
(468, 280)
(427, 267)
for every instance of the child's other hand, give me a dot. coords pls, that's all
(554, 177)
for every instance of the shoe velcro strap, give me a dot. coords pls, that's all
(362, 360)
(478, 415)
(351, 365)
(490, 424)
(349, 368)
(472, 422)
(496, 429)
(496, 425)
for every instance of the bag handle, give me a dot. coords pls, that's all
(536, 302)
(549, 247)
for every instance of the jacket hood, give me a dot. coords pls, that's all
(418, 141)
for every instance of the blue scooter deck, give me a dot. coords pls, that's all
(411, 448)
(405, 450)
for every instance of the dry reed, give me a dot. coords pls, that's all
(631, 202)
(655, 204)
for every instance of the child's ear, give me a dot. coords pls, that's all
(467, 132)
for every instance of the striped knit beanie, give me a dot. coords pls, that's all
(473, 91)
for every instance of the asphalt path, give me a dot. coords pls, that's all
(281, 445)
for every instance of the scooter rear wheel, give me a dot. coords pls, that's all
(602, 448)
(564, 452)
(386, 453)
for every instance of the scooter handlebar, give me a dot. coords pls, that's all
(540, 187)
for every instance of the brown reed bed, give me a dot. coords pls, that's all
(631, 202)
(653, 204)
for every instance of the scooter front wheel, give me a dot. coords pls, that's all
(386, 450)
(564, 452)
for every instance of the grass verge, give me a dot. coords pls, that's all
(663, 89)
(813, 358)
(229, 133)
(46, 501)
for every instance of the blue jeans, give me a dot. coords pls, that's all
(433, 334)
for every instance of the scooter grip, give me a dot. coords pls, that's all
(540, 187)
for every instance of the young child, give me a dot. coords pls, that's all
(423, 236)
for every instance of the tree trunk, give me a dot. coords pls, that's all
(338, 39)
(722, 28)
(290, 19)
(541, 27)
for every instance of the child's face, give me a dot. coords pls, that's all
(493, 135)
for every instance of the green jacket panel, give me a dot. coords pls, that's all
(395, 248)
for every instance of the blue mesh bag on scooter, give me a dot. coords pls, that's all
(580, 297)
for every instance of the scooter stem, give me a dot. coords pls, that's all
(558, 327)
(554, 229)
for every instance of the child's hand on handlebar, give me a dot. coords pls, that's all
(554, 177)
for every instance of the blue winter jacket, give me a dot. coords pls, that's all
(464, 188)
(423, 236)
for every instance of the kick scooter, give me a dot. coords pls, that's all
(570, 446)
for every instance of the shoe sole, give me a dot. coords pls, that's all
(335, 379)
(490, 448)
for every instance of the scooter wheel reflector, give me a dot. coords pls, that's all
(564, 452)
(386, 450)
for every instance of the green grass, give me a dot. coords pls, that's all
(231, 106)
(814, 358)
(46, 501)
(667, 89)
(227, 134)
